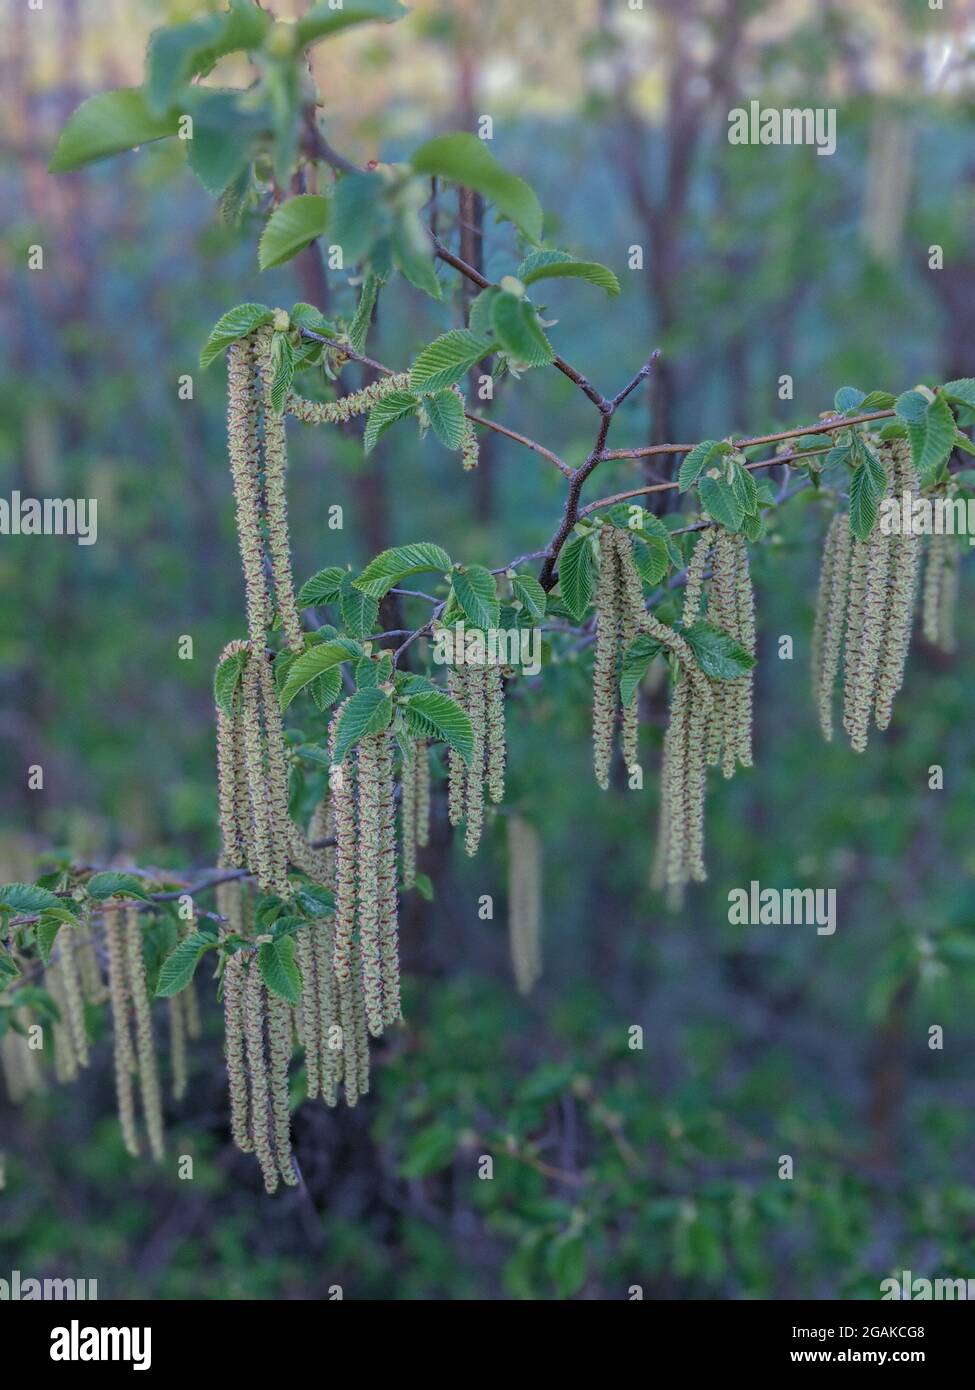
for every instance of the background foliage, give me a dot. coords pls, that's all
(612, 1167)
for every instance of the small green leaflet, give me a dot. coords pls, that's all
(291, 227)
(911, 407)
(432, 714)
(282, 370)
(445, 411)
(359, 215)
(360, 612)
(315, 901)
(226, 681)
(307, 665)
(651, 558)
(371, 671)
(179, 967)
(447, 359)
(308, 317)
(476, 590)
(386, 570)
(743, 486)
(863, 502)
(276, 960)
(366, 712)
(110, 884)
(327, 18)
(848, 398)
(720, 502)
(107, 124)
(577, 575)
(718, 655)
(530, 594)
(543, 265)
(518, 331)
(359, 327)
(961, 390)
(323, 587)
(413, 253)
(464, 159)
(636, 660)
(181, 51)
(697, 461)
(939, 439)
(397, 405)
(26, 898)
(234, 324)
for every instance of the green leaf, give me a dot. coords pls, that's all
(227, 679)
(430, 1151)
(181, 51)
(225, 137)
(961, 390)
(282, 370)
(359, 327)
(445, 411)
(544, 265)
(110, 884)
(306, 316)
(939, 438)
(718, 654)
(365, 712)
(323, 587)
(636, 662)
(412, 253)
(178, 969)
(911, 407)
(359, 215)
(479, 314)
(577, 575)
(447, 359)
(652, 559)
(360, 612)
(697, 460)
(863, 454)
(236, 323)
(877, 400)
(566, 1260)
(848, 398)
(530, 594)
(516, 324)
(291, 227)
(386, 570)
(324, 656)
(397, 405)
(105, 125)
(720, 502)
(26, 898)
(325, 18)
(315, 901)
(371, 671)
(432, 714)
(423, 885)
(46, 932)
(476, 590)
(864, 497)
(279, 971)
(745, 490)
(464, 159)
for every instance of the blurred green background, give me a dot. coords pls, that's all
(613, 1167)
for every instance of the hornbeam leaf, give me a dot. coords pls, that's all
(464, 159)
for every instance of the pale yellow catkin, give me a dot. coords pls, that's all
(342, 410)
(831, 604)
(901, 590)
(388, 901)
(234, 1013)
(605, 688)
(476, 709)
(369, 807)
(124, 1050)
(65, 1057)
(524, 903)
(407, 806)
(496, 756)
(66, 944)
(255, 1025)
(345, 960)
(279, 1035)
(276, 511)
(422, 764)
(457, 778)
(632, 610)
(145, 1048)
(244, 452)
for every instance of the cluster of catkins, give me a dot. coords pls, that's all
(524, 903)
(478, 687)
(349, 963)
(710, 720)
(864, 611)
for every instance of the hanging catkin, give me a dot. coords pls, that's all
(408, 808)
(348, 977)
(279, 1035)
(144, 1046)
(369, 788)
(457, 780)
(496, 754)
(124, 1051)
(244, 452)
(342, 410)
(940, 591)
(831, 603)
(388, 903)
(255, 1020)
(904, 549)
(65, 1057)
(66, 944)
(605, 686)
(422, 764)
(731, 607)
(233, 803)
(276, 504)
(476, 709)
(234, 985)
(524, 903)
